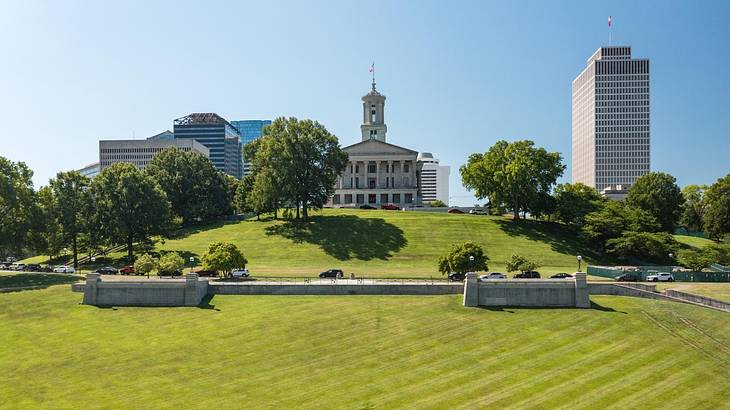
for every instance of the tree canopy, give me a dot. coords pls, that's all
(459, 259)
(129, 205)
(521, 263)
(574, 201)
(694, 207)
(223, 257)
(512, 174)
(17, 202)
(717, 213)
(612, 220)
(69, 190)
(658, 194)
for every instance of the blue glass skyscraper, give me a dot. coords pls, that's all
(250, 130)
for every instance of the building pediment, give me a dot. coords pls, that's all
(375, 147)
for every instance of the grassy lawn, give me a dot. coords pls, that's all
(693, 241)
(360, 352)
(10, 280)
(719, 291)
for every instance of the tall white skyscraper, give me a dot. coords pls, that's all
(434, 179)
(611, 119)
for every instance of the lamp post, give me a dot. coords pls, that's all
(671, 258)
(192, 261)
(471, 263)
(580, 258)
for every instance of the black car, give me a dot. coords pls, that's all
(173, 274)
(107, 270)
(32, 267)
(530, 274)
(628, 277)
(332, 273)
(561, 275)
(366, 206)
(457, 276)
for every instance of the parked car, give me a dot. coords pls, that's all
(457, 276)
(390, 207)
(17, 266)
(493, 275)
(561, 275)
(10, 259)
(171, 274)
(239, 273)
(107, 270)
(46, 268)
(660, 277)
(332, 273)
(64, 269)
(32, 267)
(207, 273)
(127, 270)
(455, 211)
(3, 266)
(628, 277)
(530, 274)
(475, 211)
(366, 206)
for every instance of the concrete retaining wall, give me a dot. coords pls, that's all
(334, 289)
(526, 292)
(171, 292)
(690, 297)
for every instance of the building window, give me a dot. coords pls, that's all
(372, 198)
(371, 183)
(360, 198)
(405, 182)
(383, 198)
(357, 182)
(357, 169)
(336, 199)
(409, 198)
(396, 198)
(371, 168)
(348, 198)
(406, 168)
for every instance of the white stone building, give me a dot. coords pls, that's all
(141, 152)
(434, 179)
(611, 137)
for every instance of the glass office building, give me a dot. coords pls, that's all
(220, 137)
(250, 130)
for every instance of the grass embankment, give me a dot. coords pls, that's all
(360, 352)
(719, 291)
(693, 241)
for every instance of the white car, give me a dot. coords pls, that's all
(64, 269)
(17, 266)
(493, 275)
(4, 266)
(240, 273)
(660, 277)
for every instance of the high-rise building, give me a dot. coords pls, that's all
(250, 130)
(434, 179)
(91, 170)
(611, 119)
(141, 152)
(218, 135)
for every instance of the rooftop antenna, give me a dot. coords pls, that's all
(372, 70)
(609, 30)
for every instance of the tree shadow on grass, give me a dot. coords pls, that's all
(345, 237)
(561, 238)
(512, 309)
(32, 281)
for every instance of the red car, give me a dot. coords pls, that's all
(455, 211)
(127, 270)
(390, 207)
(209, 273)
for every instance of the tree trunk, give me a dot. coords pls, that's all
(130, 245)
(76, 253)
(276, 212)
(297, 204)
(516, 213)
(304, 210)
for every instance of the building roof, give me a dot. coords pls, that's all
(201, 118)
(380, 144)
(163, 136)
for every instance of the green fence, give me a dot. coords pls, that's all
(644, 271)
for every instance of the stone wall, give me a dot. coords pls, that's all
(527, 292)
(719, 304)
(334, 289)
(163, 292)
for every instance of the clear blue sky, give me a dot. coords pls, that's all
(458, 75)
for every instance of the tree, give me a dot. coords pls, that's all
(658, 194)
(574, 201)
(717, 253)
(694, 207)
(197, 191)
(643, 246)
(717, 214)
(17, 201)
(146, 264)
(265, 194)
(223, 257)
(693, 259)
(459, 259)
(69, 190)
(521, 263)
(303, 158)
(240, 199)
(512, 174)
(46, 233)
(171, 262)
(129, 206)
(438, 204)
(612, 220)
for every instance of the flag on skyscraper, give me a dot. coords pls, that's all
(609, 21)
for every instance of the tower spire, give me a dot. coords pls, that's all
(372, 70)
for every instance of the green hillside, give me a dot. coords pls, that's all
(383, 243)
(360, 352)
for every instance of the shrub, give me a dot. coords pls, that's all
(458, 259)
(223, 257)
(171, 262)
(145, 264)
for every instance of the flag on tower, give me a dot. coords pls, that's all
(609, 21)
(372, 68)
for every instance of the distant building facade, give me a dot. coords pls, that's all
(141, 152)
(378, 173)
(220, 137)
(91, 170)
(610, 116)
(434, 179)
(250, 130)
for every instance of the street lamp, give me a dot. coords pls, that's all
(471, 263)
(671, 257)
(192, 261)
(580, 258)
